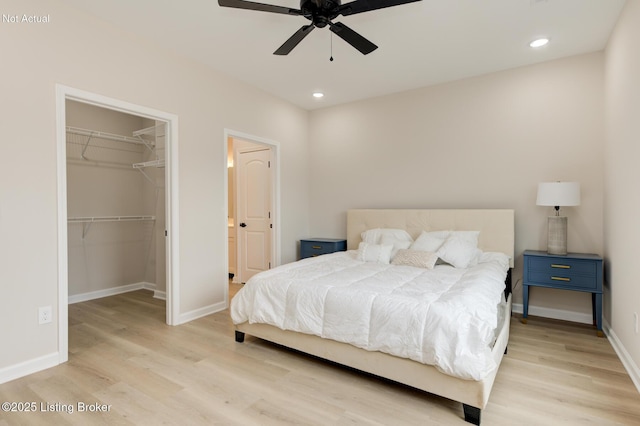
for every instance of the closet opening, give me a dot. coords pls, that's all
(117, 203)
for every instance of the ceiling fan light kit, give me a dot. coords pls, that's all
(321, 13)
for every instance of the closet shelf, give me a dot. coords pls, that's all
(109, 136)
(152, 163)
(90, 220)
(151, 131)
(109, 219)
(137, 139)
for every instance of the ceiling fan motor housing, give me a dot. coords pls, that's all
(320, 12)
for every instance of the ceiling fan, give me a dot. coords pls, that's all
(321, 13)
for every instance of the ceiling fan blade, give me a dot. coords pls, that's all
(359, 6)
(249, 5)
(293, 41)
(352, 37)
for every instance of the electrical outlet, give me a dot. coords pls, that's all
(44, 315)
(635, 321)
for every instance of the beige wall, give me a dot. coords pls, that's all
(483, 142)
(622, 175)
(79, 51)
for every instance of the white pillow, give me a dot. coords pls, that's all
(393, 241)
(380, 253)
(419, 259)
(433, 240)
(430, 241)
(459, 252)
(469, 236)
(374, 236)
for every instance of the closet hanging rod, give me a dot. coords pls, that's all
(109, 219)
(105, 135)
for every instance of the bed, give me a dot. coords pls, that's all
(495, 234)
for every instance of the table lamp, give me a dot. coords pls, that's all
(558, 194)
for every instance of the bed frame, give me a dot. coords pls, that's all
(496, 234)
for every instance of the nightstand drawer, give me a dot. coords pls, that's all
(317, 246)
(562, 266)
(559, 279)
(562, 272)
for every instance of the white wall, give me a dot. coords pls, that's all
(622, 175)
(482, 142)
(79, 51)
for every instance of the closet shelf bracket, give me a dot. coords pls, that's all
(84, 148)
(149, 131)
(152, 163)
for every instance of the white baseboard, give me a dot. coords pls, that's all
(83, 297)
(560, 314)
(162, 295)
(29, 367)
(625, 357)
(201, 312)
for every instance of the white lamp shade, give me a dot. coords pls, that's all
(558, 194)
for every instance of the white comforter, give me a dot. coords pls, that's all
(444, 317)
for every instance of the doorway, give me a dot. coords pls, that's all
(169, 123)
(253, 204)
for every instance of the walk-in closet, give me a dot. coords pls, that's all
(115, 203)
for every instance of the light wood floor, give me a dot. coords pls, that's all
(123, 355)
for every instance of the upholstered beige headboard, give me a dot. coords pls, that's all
(497, 232)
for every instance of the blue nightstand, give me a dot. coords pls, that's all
(317, 246)
(575, 271)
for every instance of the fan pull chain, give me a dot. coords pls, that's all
(331, 57)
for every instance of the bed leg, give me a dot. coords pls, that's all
(471, 414)
(239, 336)
(506, 348)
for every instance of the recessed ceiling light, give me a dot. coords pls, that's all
(318, 95)
(539, 42)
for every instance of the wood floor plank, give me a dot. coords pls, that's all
(122, 354)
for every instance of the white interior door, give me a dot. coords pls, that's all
(254, 222)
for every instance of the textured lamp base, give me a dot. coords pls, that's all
(557, 238)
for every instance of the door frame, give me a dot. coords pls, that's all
(274, 147)
(64, 93)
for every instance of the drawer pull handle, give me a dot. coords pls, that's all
(316, 247)
(561, 279)
(555, 265)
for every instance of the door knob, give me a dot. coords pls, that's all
(242, 225)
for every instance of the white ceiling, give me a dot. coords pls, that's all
(419, 44)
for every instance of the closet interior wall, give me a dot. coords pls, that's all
(116, 212)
